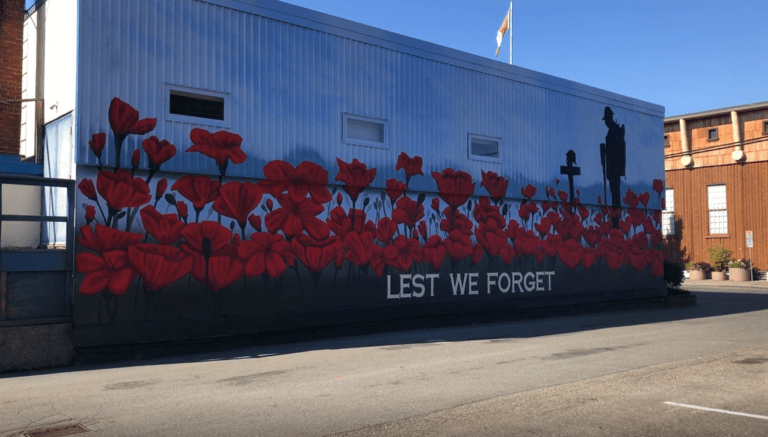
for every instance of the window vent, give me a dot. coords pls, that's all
(484, 148)
(364, 131)
(196, 105)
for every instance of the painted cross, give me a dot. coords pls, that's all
(570, 170)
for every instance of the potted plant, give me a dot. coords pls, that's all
(719, 257)
(697, 271)
(737, 271)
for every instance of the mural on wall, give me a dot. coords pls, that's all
(202, 246)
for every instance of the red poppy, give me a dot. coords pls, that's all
(423, 229)
(507, 254)
(484, 211)
(458, 245)
(121, 190)
(496, 185)
(571, 253)
(200, 190)
(656, 238)
(307, 178)
(547, 205)
(640, 239)
(97, 143)
(158, 151)
(159, 266)
(207, 237)
(402, 253)
(356, 177)
(377, 260)
(264, 253)
(166, 228)
(551, 192)
(107, 239)
(412, 166)
(110, 271)
(656, 262)
(407, 212)
(224, 269)
(644, 198)
(255, 221)
(455, 220)
(87, 188)
(528, 191)
(434, 252)
(454, 187)
(539, 254)
(395, 189)
(583, 212)
(316, 255)
(657, 216)
(612, 249)
(526, 242)
(160, 188)
(591, 254)
(544, 226)
(512, 228)
(124, 119)
(491, 237)
(562, 195)
(358, 248)
(550, 245)
(294, 218)
(525, 211)
(631, 199)
(386, 230)
(237, 200)
(658, 186)
(436, 204)
(635, 256)
(90, 214)
(477, 253)
(340, 223)
(591, 235)
(222, 146)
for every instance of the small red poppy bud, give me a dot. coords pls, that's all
(162, 185)
(97, 143)
(136, 158)
(90, 214)
(339, 198)
(87, 188)
(183, 209)
(255, 221)
(270, 204)
(436, 204)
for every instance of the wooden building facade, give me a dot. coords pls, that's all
(716, 166)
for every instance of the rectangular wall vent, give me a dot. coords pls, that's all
(196, 105)
(365, 131)
(484, 148)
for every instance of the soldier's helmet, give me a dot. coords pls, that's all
(608, 113)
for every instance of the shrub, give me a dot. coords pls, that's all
(719, 257)
(673, 274)
(737, 264)
(698, 266)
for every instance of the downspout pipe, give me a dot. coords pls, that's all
(686, 160)
(738, 150)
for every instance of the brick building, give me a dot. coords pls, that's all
(11, 32)
(716, 165)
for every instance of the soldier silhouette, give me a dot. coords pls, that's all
(613, 157)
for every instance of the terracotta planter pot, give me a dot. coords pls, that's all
(697, 275)
(738, 275)
(718, 276)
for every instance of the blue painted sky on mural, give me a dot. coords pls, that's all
(685, 55)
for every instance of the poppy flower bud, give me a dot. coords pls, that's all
(162, 185)
(90, 214)
(436, 204)
(339, 198)
(255, 221)
(136, 158)
(97, 143)
(183, 209)
(270, 204)
(87, 188)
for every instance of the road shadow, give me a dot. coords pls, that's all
(403, 334)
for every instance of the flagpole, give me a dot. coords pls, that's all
(509, 24)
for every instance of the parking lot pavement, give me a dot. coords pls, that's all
(718, 395)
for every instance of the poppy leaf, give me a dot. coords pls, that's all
(170, 199)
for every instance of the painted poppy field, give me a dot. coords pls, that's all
(306, 238)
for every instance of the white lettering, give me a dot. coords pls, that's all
(404, 285)
(416, 282)
(389, 289)
(539, 281)
(490, 281)
(458, 283)
(549, 276)
(473, 284)
(432, 278)
(509, 283)
(529, 283)
(517, 279)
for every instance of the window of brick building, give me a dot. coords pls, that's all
(765, 127)
(666, 140)
(712, 135)
(718, 214)
(668, 213)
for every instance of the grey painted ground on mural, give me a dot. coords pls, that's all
(593, 373)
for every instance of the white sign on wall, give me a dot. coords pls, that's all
(750, 241)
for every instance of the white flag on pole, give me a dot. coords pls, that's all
(501, 32)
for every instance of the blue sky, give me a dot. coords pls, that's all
(685, 55)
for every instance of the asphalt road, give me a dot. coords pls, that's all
(600, 374)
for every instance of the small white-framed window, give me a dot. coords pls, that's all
(718, 212)
(193, 105)
(668, 213)
(483, 148)
(365, 131)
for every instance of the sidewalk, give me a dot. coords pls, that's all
(757, 284)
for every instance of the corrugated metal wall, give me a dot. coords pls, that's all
(289, 85)
(746, 203)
